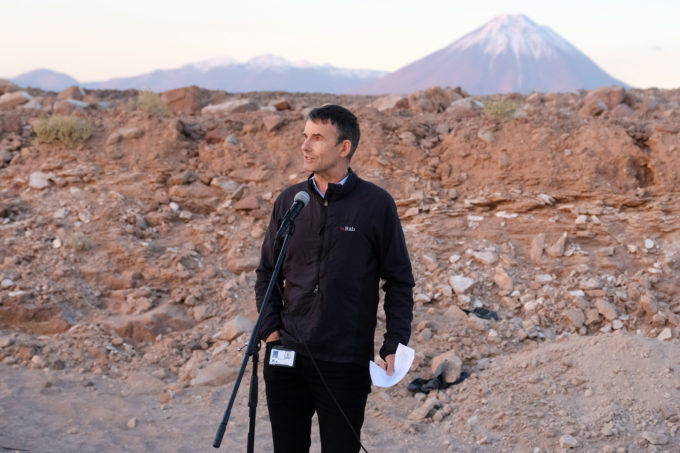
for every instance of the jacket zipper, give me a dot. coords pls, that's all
(323, 243)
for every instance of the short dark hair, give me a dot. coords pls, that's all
(346, 124)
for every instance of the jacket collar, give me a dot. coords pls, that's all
(335, 191)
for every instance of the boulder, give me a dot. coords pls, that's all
(7, 87)
(233, 106)
(280, 104)
(610, 96)
(69, 106)
(236, 327)
(431, 100)
(14, 99)
(247, 204)
(465, 108)
(451, 365)
(273, 122)
(214, 374)
(218, 135)
(182, 100)
(460, 283)
(73, 92)
(390, 102)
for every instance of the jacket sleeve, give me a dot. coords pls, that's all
(396, 271)
(271, 319)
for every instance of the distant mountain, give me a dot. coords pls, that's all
(265, 73)
(508, 54)
(45, 79)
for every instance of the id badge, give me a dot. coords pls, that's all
(282, 357)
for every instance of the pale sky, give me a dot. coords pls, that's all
(637, 42)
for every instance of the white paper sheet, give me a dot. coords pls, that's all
(402, 363)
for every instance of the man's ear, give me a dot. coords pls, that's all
(346, 148)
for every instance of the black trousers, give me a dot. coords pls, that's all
(294, 394)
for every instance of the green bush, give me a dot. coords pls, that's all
(64, 130)
(500, 108)
(151, 102)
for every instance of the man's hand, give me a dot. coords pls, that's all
(274, 336)
(388, 364)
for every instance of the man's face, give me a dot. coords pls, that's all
(321, 152)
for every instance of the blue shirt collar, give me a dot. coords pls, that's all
(344, 180)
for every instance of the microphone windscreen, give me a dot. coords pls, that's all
(302, 197)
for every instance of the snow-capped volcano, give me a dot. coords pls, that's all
(508, 54)
(265, 72)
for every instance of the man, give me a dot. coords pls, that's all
(345, 240)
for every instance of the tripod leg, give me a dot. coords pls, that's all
(252, 401)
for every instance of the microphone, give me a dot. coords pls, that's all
(300, 201)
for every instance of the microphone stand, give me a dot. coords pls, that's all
(252, 351)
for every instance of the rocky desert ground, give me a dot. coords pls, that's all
(127, 259)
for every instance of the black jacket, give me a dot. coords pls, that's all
(343, 244)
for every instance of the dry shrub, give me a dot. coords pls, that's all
(64, 130)
(151, 102)
(500, 108)
(81, 241)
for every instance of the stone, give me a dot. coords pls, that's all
(218, 135)
(69, 106)
(280, 104)
(487, 137)
(502, 279)
(537, 246)
(606, 309)
(557, 249)
(486, 257)
(132, 423)
(129, 133)
(665, 334)
(465, 108)
(39, 180)
(460, 283)
(247, 203)
(6, 156)
(7, 87)
(238, 263)
(236, 327)
(390, 102)
(233, 106)
(251, 174)
(14, 99)
(575, 317)
(422, 298)
(214, 374)
(648, 304)
(594, 108)
(455, 316)
(655, 438)
(7, 283)
(273, 122)
(609, 96)
(430, 262)
(622, 111)
(72, 92)
(424, 410)
(451, 364)
(568, 441)
(182, 100)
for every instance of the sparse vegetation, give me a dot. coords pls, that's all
(151, 102)
(81, 241)
(500, 108)
(64, 130)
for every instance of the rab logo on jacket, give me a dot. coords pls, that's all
(348, 228)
